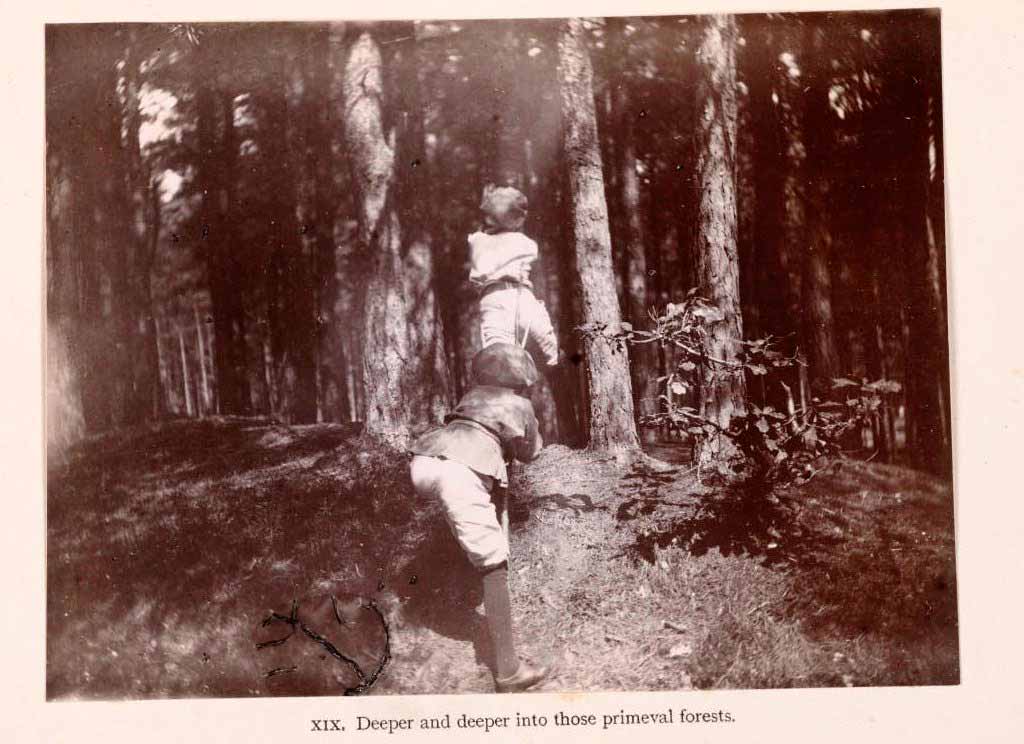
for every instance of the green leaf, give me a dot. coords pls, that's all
(678, 388)
(687, 366)
(762, 425)
(757, 369)
(626, 326)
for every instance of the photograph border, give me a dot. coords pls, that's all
(981, 64)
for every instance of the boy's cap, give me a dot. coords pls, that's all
(504, 365)
(504, 207)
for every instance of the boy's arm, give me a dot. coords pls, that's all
(544, 332)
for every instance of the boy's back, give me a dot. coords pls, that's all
(506, 255)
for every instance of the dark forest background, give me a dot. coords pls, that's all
(271, 219)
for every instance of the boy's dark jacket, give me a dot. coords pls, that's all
(493, 422)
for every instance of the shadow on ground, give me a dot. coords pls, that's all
(168, 546)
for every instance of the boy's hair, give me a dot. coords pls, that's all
(504, 209)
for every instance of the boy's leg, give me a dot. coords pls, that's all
(472, 517)
(498, 318)
(470, 513)
(498, 609)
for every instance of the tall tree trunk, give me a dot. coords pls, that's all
(163, 369)
(138, 206)
(816, 284)
(215, 176)
(773, 288)
(69, 235)
(716, 263)
(431, 379)
(203, 396)
(318, 221)
(115, 216)
(185, 376)
(927, 374)
(611, 424)
(549, 400)
(147, 308)
(875, 362)
(399, 371)
(639, 298)
(291, 310)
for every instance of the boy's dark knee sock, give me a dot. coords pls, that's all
(498, 606)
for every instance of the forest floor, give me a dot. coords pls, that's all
(168, 546)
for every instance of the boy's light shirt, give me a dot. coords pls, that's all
(508, 255)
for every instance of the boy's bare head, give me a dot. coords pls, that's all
(504, 208)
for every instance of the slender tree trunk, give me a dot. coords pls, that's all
(875, 366)
(611, 422)
(319, 223)
(431, 379)
(164, 374)
(927, 348)
(140, 210)
(185, 377)
(115, 217)
(147, 307)
(291, 311)
(722, 392)
(774, 292)
(638, 297)
(203, 399)
(269, 378)
(215, 176)
(816, 285)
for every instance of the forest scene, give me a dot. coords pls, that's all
(258, 298)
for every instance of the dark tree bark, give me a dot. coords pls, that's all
(401, 377)
(74, 313)
(611, 424)
(716, 263)
(638, 296)
(318, 211)
(416, 174)
(816, 285)
(140, 208)
(216, 171)
(927, 376)
(291, 310)
(772, 287)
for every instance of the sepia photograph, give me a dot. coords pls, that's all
(497, 356)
